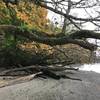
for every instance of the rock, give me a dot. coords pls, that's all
(49, 89)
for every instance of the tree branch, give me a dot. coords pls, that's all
(68, 16)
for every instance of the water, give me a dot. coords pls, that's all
(91, 67)
(96, 66)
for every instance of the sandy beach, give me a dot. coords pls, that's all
(50, 89)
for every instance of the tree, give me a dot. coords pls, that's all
(61, 7)
(24, 13)
(64, 8)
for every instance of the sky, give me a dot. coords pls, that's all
(52, 16)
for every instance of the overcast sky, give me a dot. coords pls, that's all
(52, 16)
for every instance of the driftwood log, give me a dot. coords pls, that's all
(44, 72)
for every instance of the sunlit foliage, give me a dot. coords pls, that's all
(25, 13)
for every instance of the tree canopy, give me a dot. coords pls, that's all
(26, 12)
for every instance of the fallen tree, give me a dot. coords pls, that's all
(74, 38)
(56, 7)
